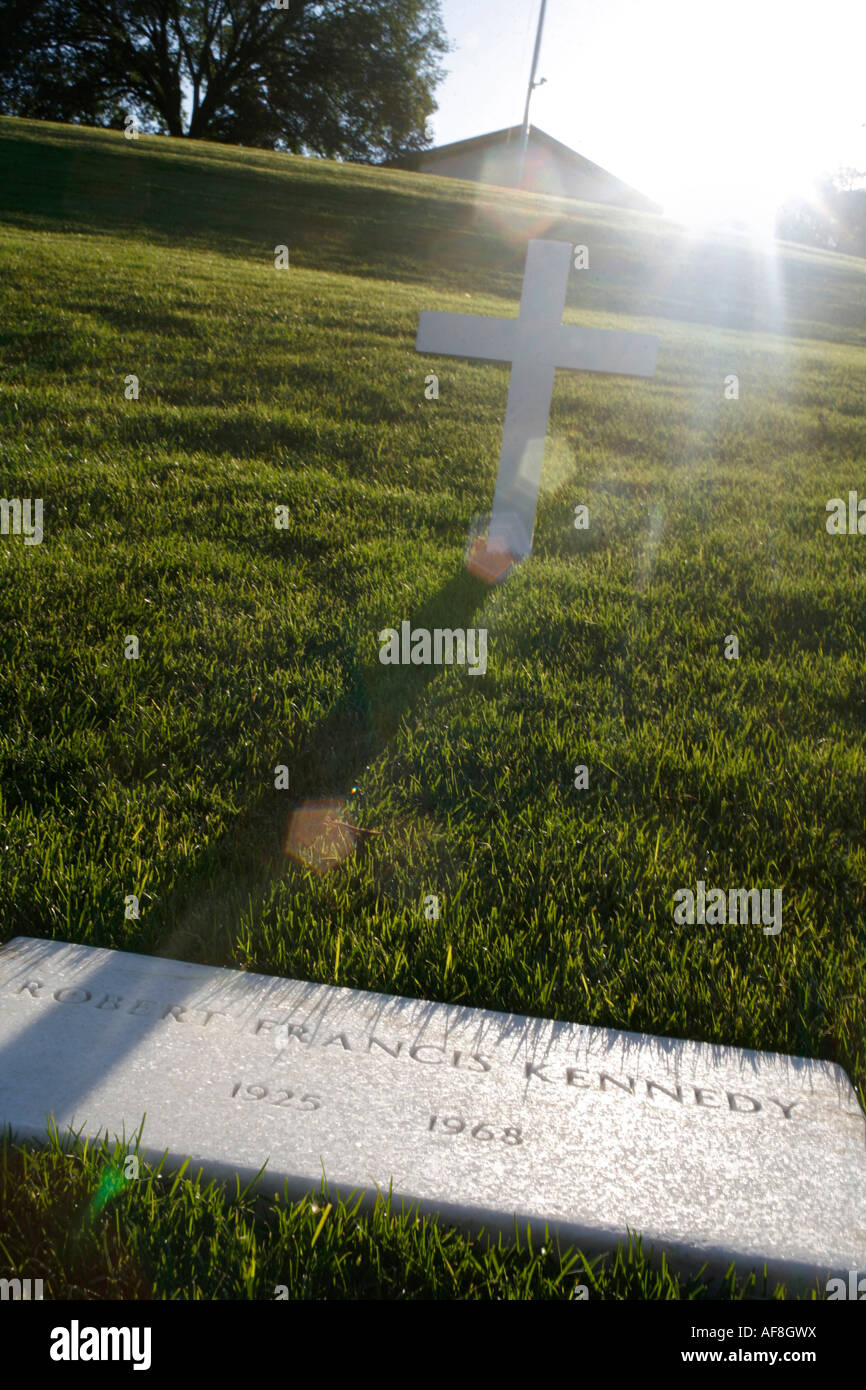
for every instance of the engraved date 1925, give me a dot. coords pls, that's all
(282, 1096)
(455, 1124)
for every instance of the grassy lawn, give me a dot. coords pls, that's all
(302, 388)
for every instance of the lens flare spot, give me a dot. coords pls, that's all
(319, 835)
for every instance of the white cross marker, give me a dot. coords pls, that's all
(535, 344)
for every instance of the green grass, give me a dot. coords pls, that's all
(258, 646)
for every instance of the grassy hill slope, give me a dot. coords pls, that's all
(261, 387)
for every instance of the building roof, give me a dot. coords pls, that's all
(578, 162)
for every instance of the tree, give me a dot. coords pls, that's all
(342, 78)
(834, 218)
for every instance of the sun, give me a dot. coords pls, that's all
(742, 197)
(720, 115)
(742, 140)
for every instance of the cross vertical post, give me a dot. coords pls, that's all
(530, 391)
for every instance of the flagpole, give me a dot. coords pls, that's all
(524, 139)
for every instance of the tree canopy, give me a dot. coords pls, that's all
(342, 78)
(835, 218)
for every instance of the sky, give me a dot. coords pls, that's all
(714, 110)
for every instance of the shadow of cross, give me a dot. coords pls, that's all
(535, 344)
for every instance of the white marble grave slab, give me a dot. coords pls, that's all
(712, 1153)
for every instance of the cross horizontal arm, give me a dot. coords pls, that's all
(606, 350)
(466, 335)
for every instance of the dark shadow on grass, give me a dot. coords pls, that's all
(408, 228)
(198, 919)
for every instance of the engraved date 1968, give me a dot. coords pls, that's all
(278, 1097)
(455, 1124)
